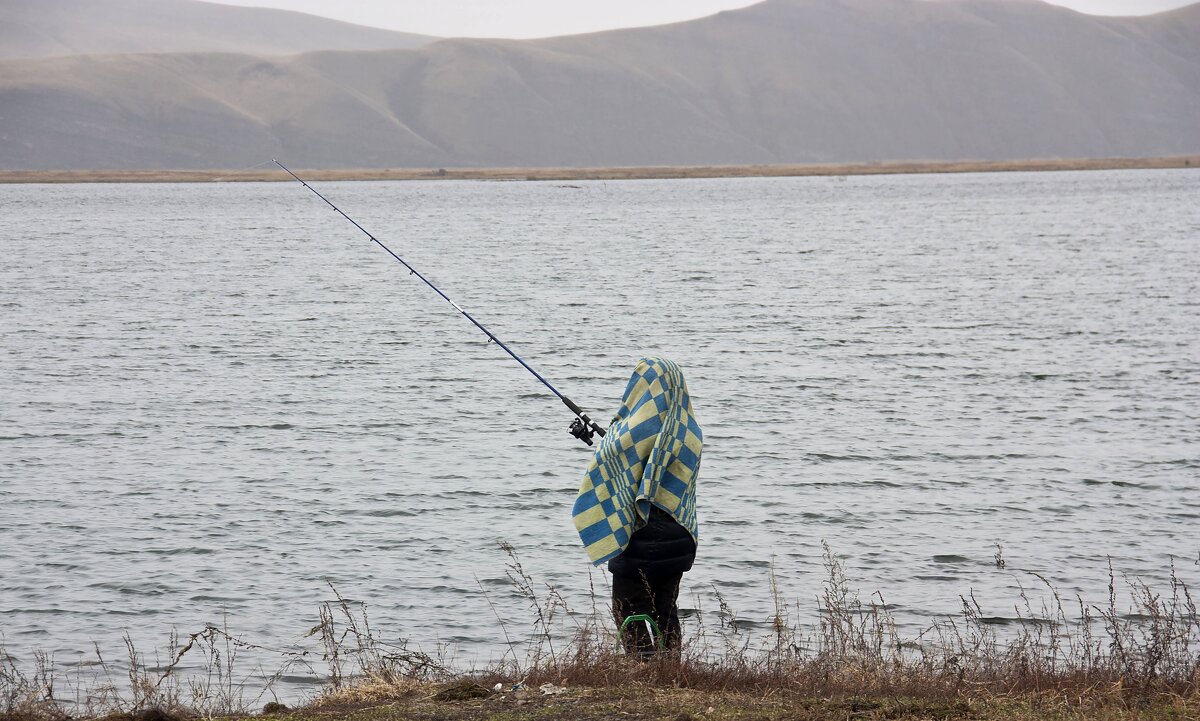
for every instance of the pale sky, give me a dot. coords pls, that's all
(539, 18)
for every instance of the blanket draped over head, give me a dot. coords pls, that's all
(650, 455)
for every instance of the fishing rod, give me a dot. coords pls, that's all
(582, 427)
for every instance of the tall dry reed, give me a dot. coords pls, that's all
(1139, 643)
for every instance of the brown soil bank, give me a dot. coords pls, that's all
(637, 703)
(616, 173)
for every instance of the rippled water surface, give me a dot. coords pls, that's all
(218, 397)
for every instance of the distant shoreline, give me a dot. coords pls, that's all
(598, 173)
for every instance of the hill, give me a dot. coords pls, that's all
(42, 28)
(784, 81)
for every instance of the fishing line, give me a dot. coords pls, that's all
(582, 427)
(222, 179)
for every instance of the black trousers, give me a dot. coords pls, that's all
(646, 580)
(655, 596)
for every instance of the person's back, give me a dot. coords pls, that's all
(636, 507)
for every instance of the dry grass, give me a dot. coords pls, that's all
(1136, 655)
(1149, 649)
(644, 701)
(600, 173)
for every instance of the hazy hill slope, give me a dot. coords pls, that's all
(783, 81)
(190, 111)
(882, 79)
(40, 28)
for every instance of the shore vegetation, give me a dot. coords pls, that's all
(1135, 655)
(265, 174)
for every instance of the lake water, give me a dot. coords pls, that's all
(217, 398)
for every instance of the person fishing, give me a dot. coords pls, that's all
(636, 508)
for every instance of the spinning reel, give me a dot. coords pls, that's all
(585, 429)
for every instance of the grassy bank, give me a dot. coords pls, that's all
(1136, 655)
(607, 173)
(639, 701)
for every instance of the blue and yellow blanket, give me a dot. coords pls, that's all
(650, 455)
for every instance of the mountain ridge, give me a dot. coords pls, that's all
(784, 81)
(50, 28)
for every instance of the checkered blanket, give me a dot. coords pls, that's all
(649, 455)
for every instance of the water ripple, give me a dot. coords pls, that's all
(202, 427)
